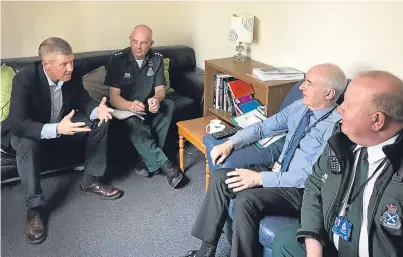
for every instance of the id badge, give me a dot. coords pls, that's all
(342, 227)
(276, 167)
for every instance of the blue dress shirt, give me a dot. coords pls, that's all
(310, 148)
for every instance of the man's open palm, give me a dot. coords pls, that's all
(67, 127)
(104, 112)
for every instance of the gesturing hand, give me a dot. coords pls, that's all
(220, 152)
(137, 106)
(242, 179)
(104, 112)
(153, 105)
(66, 127)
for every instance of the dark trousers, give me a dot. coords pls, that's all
(250, 206)
(285, 245)
(29, 155)
(148, 136)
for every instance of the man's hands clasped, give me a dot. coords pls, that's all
(153, 105)
(139, 107)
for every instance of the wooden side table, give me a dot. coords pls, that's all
(194, 131)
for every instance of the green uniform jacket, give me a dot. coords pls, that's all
(325, 189)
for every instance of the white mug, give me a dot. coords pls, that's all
(214, 126)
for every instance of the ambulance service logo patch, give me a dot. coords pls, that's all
(150, 72)
(390, 218)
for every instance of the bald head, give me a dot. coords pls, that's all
(142, 30)
(323, 85)
(372, 110)
(332, 76)
(141, 40)
(386, 91)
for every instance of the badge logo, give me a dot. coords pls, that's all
(150, 72)
(324, 178)
(127, 75)
(390, 218)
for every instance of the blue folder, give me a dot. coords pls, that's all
(249, 106)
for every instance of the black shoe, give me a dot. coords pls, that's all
(101, 190)
(174, 176)
(141, 168)
(35, 229)
(191, 253)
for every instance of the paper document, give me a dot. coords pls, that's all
(265, 142)
(121, 115)
(253, 117)
(248, 118)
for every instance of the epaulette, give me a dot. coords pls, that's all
(118, 53)
(157, 54)
(121, 53)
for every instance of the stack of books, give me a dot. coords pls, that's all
(278, 73)
(233, 95)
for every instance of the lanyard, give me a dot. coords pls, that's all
(349, 200)
(306, 130)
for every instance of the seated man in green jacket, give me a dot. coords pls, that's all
(352, 205)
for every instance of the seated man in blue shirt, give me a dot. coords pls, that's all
(256, 194)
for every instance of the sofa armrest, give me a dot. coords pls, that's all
(190, 84)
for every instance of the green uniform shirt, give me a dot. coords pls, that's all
(135, 83)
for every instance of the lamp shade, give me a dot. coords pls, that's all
(241, 28)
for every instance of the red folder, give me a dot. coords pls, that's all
(240, 88)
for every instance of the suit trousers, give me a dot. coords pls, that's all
(148, 136)
(250, 206)
(29, 156)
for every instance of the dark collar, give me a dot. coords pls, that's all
(343, 146)
(131, 58)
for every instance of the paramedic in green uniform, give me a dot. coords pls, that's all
(136, 79)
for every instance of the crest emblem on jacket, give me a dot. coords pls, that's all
(150, 71)
(390, 218)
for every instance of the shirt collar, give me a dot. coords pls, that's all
(319, 113)
(51, 82)
(132, 59)
(375, 153)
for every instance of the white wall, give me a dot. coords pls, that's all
(353, 35)
(87, 26)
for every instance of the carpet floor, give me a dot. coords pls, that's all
(151, 219)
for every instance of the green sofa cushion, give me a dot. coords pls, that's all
(7, 75)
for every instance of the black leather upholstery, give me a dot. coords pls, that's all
(186, 79)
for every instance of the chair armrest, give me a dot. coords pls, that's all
(190, 84)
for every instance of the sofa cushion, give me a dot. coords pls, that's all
(7, 75)
(94, 83)
(168, 88)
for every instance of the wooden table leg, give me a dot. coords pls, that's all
(207, 175)
(181, 154)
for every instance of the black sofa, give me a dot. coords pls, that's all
(186, 79)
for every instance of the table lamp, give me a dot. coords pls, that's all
(242, 32)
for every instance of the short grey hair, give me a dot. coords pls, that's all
(336, 79)
(54, 45)
(390, 102)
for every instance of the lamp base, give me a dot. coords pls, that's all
(239, 57)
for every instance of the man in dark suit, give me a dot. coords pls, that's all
(50, 109)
